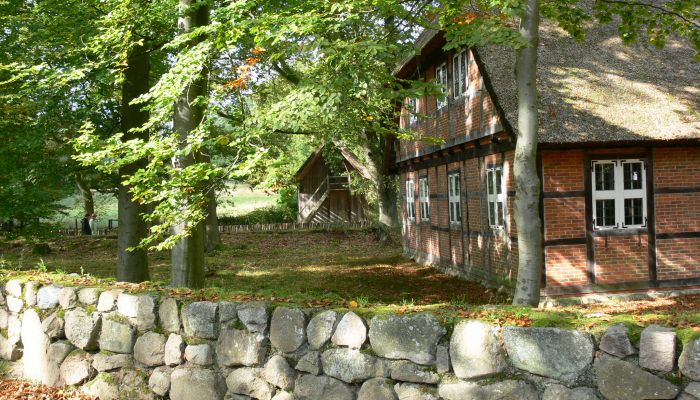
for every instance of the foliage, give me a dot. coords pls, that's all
(268, 215)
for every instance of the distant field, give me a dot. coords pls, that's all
(236, 199)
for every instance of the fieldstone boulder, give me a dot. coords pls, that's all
(351, 331)
(4, 315)
(320, 329)
(310, 362)
(249, 382)
(657, 348)
(199, 354)
(159, 381)
(30, 293)
(103, 361)
(58, 351)
(407, 371)
(287, 329)
(504, 390)
(620, 380)
(117, 336)
(253, 316)
(409, 337)
(200, 319)
(10, 350)
(560, 392)
(77, 368)
(146, 313)
(13, 287)
(107, 300)
(53, 326)
(89, 296)
(196, 384)
(351, 365)
(67, 298)
(169, 315)
(174, 350)
(239, 347)
(128, 305)
(37, 366)
(412, 391)
(310, 387)
(689, 361)
(377, 389)
(616, 342)
(693, 389)
(14, 304)
(133, 384)
(227, 312)
(551, 352)
(282, 395)
(475, 350)
(82, 329)
(149, 349)
(105, 386)
(279, 373)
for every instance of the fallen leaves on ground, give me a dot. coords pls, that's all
(16, 389)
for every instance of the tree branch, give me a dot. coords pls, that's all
(653, 6)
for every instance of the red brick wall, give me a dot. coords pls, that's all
(621, 259)
(566, 265)
(678, 258)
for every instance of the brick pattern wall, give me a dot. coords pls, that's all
(566, 265)
(621, 259)
(678, 258)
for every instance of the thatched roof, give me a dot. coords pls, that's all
(601, 90)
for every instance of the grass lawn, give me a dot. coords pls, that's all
(338, 269)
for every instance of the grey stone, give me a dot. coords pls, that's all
(689, 361)
(133, 385)
(89, 296)
(200, 319)
(227, 311)
(174, 350)
(310, 387)
(149, 349)
(657, 348)
(409, 337)
(249, 382)
(117, 336)
(279, 373)
(14, 304)
(693, 389)
(47, 297)
(77, 368)
(475, 350)
(504, 390)
(351, 331)
(37, 365)
(199, 354)
(10, 350)
(619, 380)
(67, 298)
(253, 316)
(310, 362)
(2, 298)
(287, 329)
(282, 395)
(128, 305)
(169, 315)
(110, 362)
(551, 352)
(412, 391)
(13, 287)
(560, 392)
(53, 326)
(616, 342)
(351, 365)
(239, 347)
(145, 313)
(159, 381)
(234, 396)
(105, 386)
(107, 300)
(320, 329)
(407, 371)
(196, 384)
(442, 359)
(377, 389)
(14, 328)
(4, 315)
(82, 329)
(58, 351)
(30, 294)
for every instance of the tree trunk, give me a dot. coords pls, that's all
(388, 210)
(188, 253)
(527, 183)
(132, 265)
(88, 200)
(212, 238)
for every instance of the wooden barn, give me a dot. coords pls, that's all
(618, 158)
(324, 190)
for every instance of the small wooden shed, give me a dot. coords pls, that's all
(324, 193)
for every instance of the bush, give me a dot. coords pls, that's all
(269, 215)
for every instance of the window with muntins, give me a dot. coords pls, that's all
(454, 198)
(410, 200)
(424, 198)
(460, 73)
(412, 108)
(441, 79)
(619, 194)
(496, 197)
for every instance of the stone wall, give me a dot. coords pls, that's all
(116, 345)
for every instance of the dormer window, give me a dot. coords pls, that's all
(441, 79)
(460, 73)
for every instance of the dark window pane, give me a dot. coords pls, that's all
(604, 177)
(499, 175)
(633, 212)
(489, 181)
(632, 175)
(605, 212)
(492, 217)
(459, 212)
(500, 214)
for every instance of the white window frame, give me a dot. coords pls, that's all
(424, 198)
(454, 200)
(460, 73)
(412, 109)
(618, 193)
(496, 197)
(410, 200)
(441, 79)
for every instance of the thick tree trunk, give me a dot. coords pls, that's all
(132, 265)
(388, 209)
(527, 183)
(188, 253)
(88, 200)
(212, 238)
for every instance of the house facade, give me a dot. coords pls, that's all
(618, 158)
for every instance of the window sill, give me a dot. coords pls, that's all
(619, 231)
